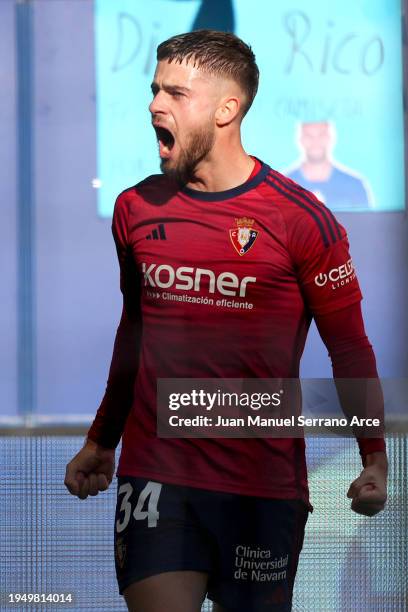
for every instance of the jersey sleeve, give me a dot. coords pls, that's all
(352, 357)
(325, 271)
(129, 275)
(110, 419)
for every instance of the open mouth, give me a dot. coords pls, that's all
(165, 139)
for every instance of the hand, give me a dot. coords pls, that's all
(90, 471)
(369, 490)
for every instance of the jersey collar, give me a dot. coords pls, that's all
(217, 196)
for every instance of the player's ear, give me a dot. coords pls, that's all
(227, 111)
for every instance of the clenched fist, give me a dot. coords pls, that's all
(90, 471)
(369, 490)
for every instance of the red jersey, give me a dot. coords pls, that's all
(226, 284)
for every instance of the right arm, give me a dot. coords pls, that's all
(92, 468)
(108, 425)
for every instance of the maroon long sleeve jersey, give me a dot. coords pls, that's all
(225, 284)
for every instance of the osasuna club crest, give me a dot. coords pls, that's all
(120, 551)
(244, 235)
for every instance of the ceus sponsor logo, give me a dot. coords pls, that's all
(340, 276)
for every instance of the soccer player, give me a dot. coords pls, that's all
(223, 264)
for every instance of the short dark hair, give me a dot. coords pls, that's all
(215, 52)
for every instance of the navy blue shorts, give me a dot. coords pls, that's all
(249, 546)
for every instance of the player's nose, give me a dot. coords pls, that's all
(157, 105)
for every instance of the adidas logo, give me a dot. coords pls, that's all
(157, 234)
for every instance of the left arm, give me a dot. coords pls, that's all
(352, 356)
(319, 248)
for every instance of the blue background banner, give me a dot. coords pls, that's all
(338, 62)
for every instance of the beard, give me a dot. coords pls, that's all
(198, 146)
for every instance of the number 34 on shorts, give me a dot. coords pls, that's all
(148, 496)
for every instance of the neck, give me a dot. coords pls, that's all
(225, 167)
